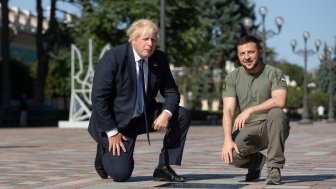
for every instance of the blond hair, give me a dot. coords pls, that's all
(142, 26)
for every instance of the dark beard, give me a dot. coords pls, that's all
(254, 71)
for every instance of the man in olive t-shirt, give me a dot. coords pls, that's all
(258, 92)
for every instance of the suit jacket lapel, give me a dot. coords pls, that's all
(131, 67)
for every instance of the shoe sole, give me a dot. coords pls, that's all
(167, 180)
(273, 183)
(160, 179)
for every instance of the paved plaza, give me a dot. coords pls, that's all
(54, 158)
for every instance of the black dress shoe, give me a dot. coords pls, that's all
(99, 164)
(167, 174)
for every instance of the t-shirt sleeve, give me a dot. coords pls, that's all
(278, 80)
(229, 87)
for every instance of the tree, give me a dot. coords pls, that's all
(58, 78)
(59, 41)
(317, 98)
(106, 21)
(294, 71)
(324, 80)
(185, 32)
(322, 77)
(5, 52)
(44, 47)
(294, 98)
(223, 26)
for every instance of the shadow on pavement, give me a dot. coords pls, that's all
(200, 185)
(190, 177)
(305, 178)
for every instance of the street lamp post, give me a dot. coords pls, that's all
(264, 34)
(305, 53)
(162, 25)
(327, 58)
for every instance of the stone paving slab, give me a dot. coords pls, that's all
(53, 158)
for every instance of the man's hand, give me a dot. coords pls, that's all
(241, 119)
(227, 150)
(116, 144)
(161, 122)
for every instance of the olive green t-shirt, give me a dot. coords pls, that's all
(253, 90)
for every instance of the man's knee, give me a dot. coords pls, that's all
(120, 175)
(279, 121)
(184, 115)
(276, 113)
(119, 170)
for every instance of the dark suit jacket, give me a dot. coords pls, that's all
(114, 89)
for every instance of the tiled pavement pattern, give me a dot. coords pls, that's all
(63, 158)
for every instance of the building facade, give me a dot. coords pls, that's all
(22, 26)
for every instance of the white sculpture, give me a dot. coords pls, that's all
(80, 101)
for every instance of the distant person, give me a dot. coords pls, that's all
(320, 112)
(126, 81)
(23, 111)
(258, 91)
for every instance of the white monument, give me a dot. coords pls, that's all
(81, 85)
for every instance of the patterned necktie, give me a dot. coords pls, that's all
(141, 96)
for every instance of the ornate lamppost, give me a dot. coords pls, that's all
(264, 34)
(305, 53)
(327, 58)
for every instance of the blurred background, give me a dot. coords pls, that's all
(42, 42)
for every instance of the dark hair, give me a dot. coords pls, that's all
(248, 39)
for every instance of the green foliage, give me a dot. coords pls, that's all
(184, 32)
(58, 79)
(197, 91)
(294, 98)
(111, 18)
(294, 72)
(322, 77)
(317, 98)
(223, 28)
(58, 76)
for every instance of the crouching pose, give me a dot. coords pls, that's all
(258, 91)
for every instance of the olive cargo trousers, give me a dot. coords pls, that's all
(270, 134)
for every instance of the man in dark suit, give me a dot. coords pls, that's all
(126, 82)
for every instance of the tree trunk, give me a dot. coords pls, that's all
(44, 45)
(5, 51)
(41, 63)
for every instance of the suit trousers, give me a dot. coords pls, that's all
(270, 134)
(120, 168)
